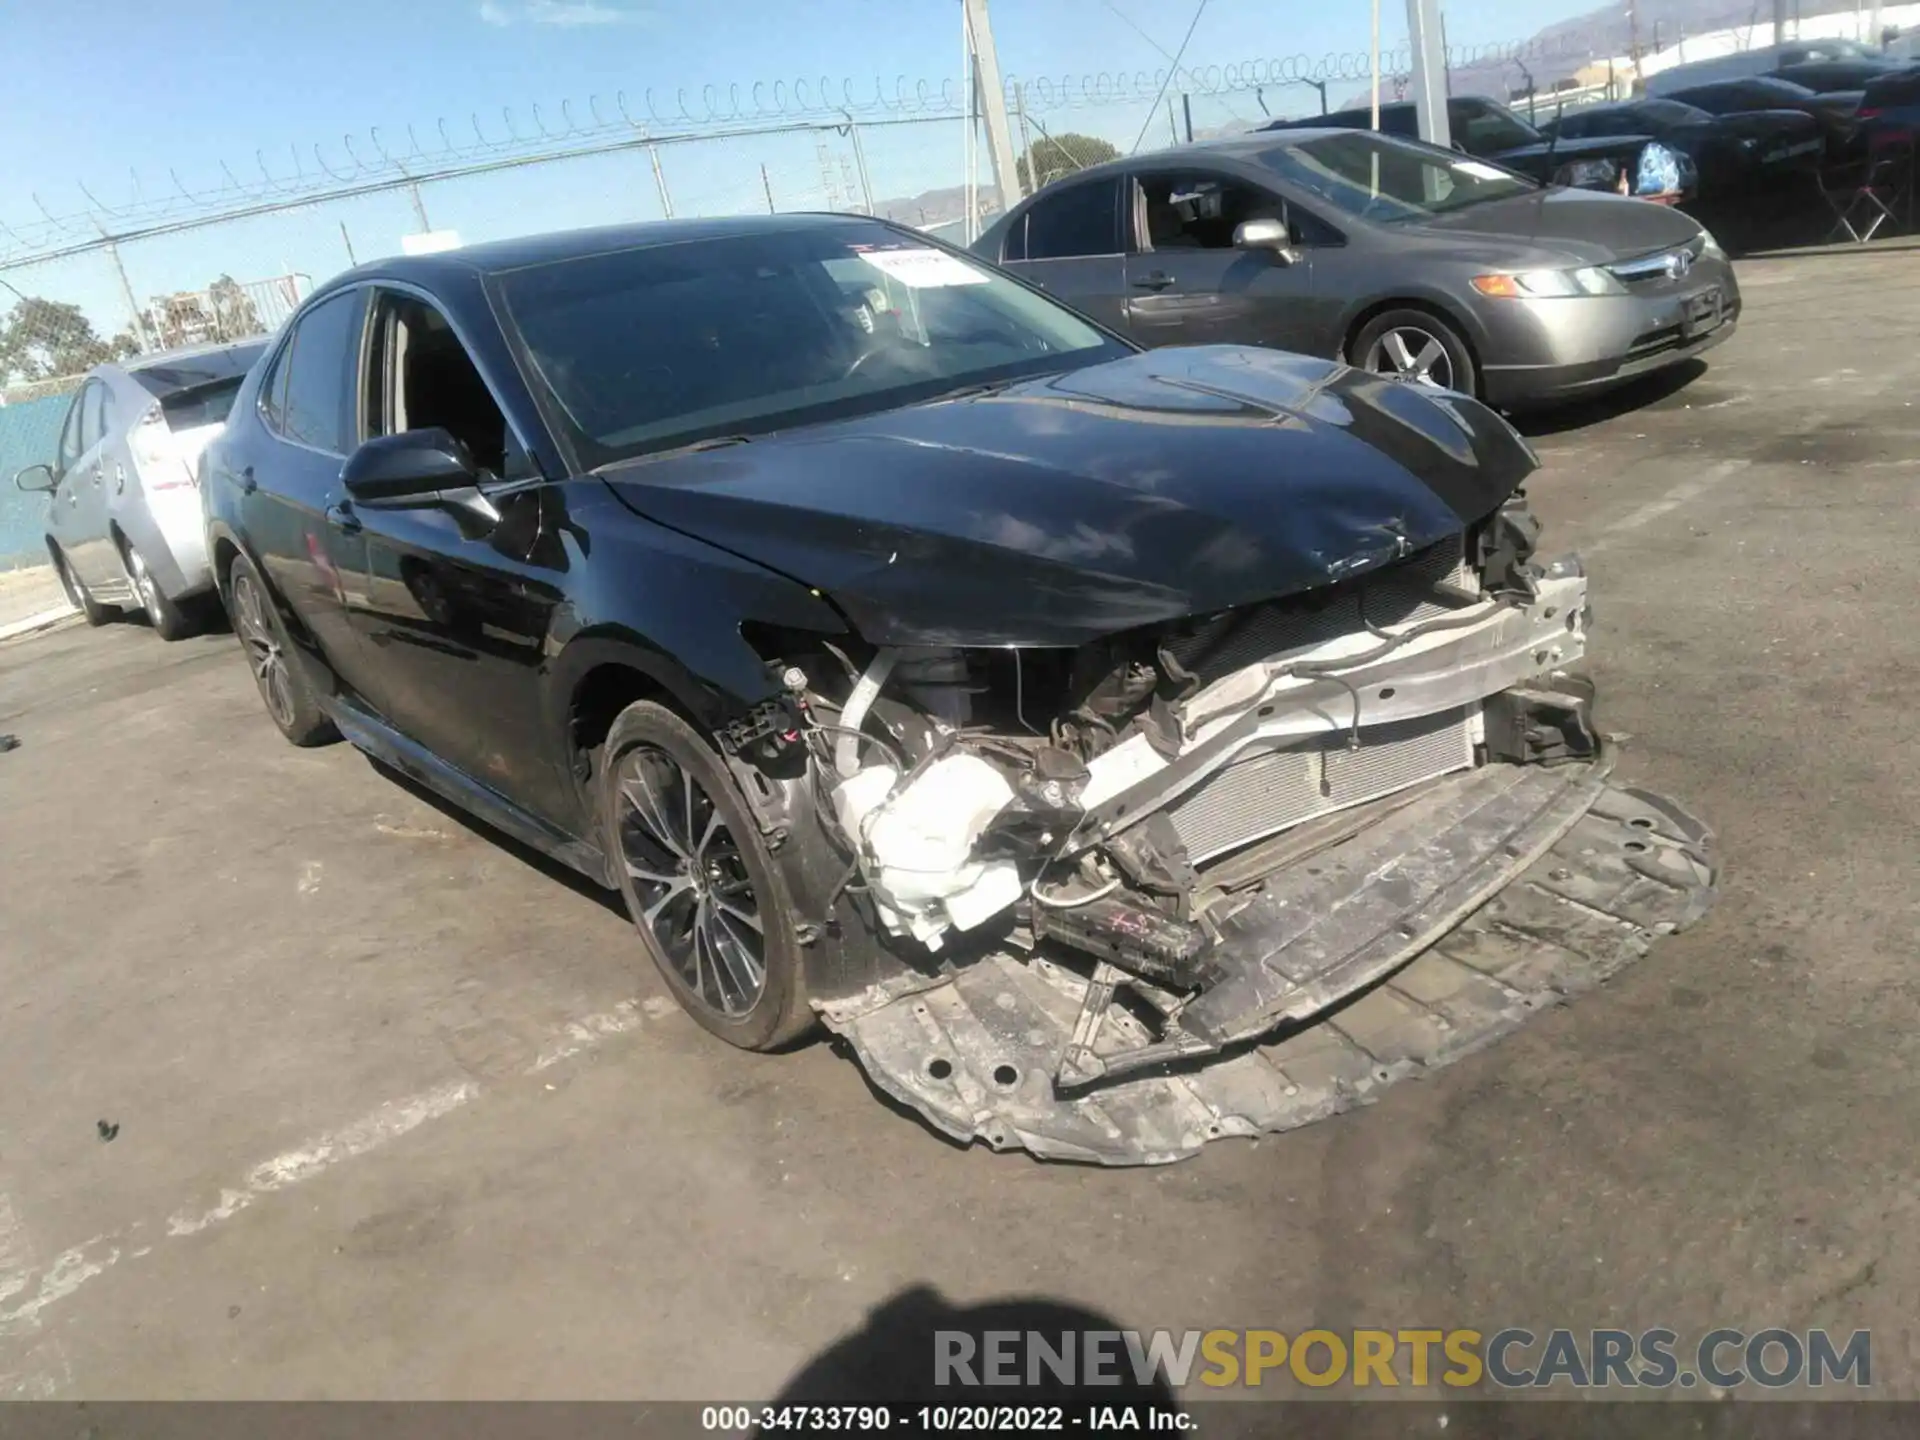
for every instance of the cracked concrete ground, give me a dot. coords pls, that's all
(402, 1113)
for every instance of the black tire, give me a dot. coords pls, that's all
(705, 934)
(290, 700)
(78, 594)
(1373, 349)
(169, 621)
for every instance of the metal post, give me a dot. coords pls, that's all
(1321, 86)
(860, 164)
(1429, 71)
(140, 335)
(1373, 68)
(1873, 35)
(1186, 109)
(419, 208)
(993, 100)
(767, 185)
(660, 182)
(1779, 21)
(1026, 141)
(1173, 125)
(347, 240)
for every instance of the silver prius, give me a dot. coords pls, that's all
(124, 526)
(1406, 259)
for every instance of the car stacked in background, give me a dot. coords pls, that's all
(1399, 257)
(1622, 163)
(124, 527)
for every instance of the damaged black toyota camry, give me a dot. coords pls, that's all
(1071, 729)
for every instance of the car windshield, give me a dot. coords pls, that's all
(1388, 181)
(653, 348)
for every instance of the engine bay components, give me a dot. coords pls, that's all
(1197, 836)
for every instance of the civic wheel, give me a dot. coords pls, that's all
(169, 621)
(1416, 347)
(78, 594)
(290, 701)
(703, 889)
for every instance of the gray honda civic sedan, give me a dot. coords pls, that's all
(1394, 255)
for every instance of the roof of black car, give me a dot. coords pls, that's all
(495, 256)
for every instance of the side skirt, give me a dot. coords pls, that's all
(390, 747)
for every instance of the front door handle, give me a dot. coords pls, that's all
(340, 514)
(247, 483)
(1158, 280)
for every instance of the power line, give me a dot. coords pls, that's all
(1161, 50)
(1153, 109)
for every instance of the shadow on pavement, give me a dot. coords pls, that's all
(1610, 404)
(892, 1359)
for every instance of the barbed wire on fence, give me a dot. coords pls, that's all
(363, 163)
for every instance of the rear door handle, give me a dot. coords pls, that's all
(1158, 280)
(340, 514)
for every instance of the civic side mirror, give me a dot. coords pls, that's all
(413, 468)
(1269, 235)
(36, 478)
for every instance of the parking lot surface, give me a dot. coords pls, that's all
(402, 1112)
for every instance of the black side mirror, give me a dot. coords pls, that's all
(36, 478)
(413, 468)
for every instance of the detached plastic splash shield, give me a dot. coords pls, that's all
(1503, 893)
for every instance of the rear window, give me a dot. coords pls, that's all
(204, 405)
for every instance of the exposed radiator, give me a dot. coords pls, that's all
(1263, 790)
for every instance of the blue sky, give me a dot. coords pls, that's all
(100, 92)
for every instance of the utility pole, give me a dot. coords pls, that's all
(767, 185)
(347, 240)
(1430, 71)
(993, 100)
(1173, 125)
(860, 164)
(1026, 142)
(419, 208)
(1779, 21)
(1186, 109)
(660, 182)
(126, 292)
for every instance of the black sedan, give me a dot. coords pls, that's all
(913, 654)
(1639, 165)
(1756, 168)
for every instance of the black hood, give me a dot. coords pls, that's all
(1600, 226)
(1068, 507)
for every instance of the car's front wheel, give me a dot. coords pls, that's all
(1418, 347)
(290, 700)
(169, 621)
(711, 905)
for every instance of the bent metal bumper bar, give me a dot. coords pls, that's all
(1500, 892)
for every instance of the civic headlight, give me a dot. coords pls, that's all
(1657, 172)
(1550, 284)
(1709, 245)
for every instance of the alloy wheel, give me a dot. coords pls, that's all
(1411, 354)
(263, 649)
(143, 585)
(695, 899)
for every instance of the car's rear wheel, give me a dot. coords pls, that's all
(704, 891)
(169, 621)
(291, 703)
(78, 595)
(1418, 347)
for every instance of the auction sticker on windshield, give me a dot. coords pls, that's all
(920, 268)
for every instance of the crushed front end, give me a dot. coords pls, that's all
(1235, 873)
